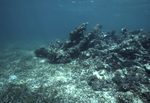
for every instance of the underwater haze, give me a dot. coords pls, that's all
(51, 19)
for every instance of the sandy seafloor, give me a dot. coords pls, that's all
(24, 78)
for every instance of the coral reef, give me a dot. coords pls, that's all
(121, 60)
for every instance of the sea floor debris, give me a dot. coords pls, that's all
(97, 67)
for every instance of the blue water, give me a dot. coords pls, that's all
(52, 19)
